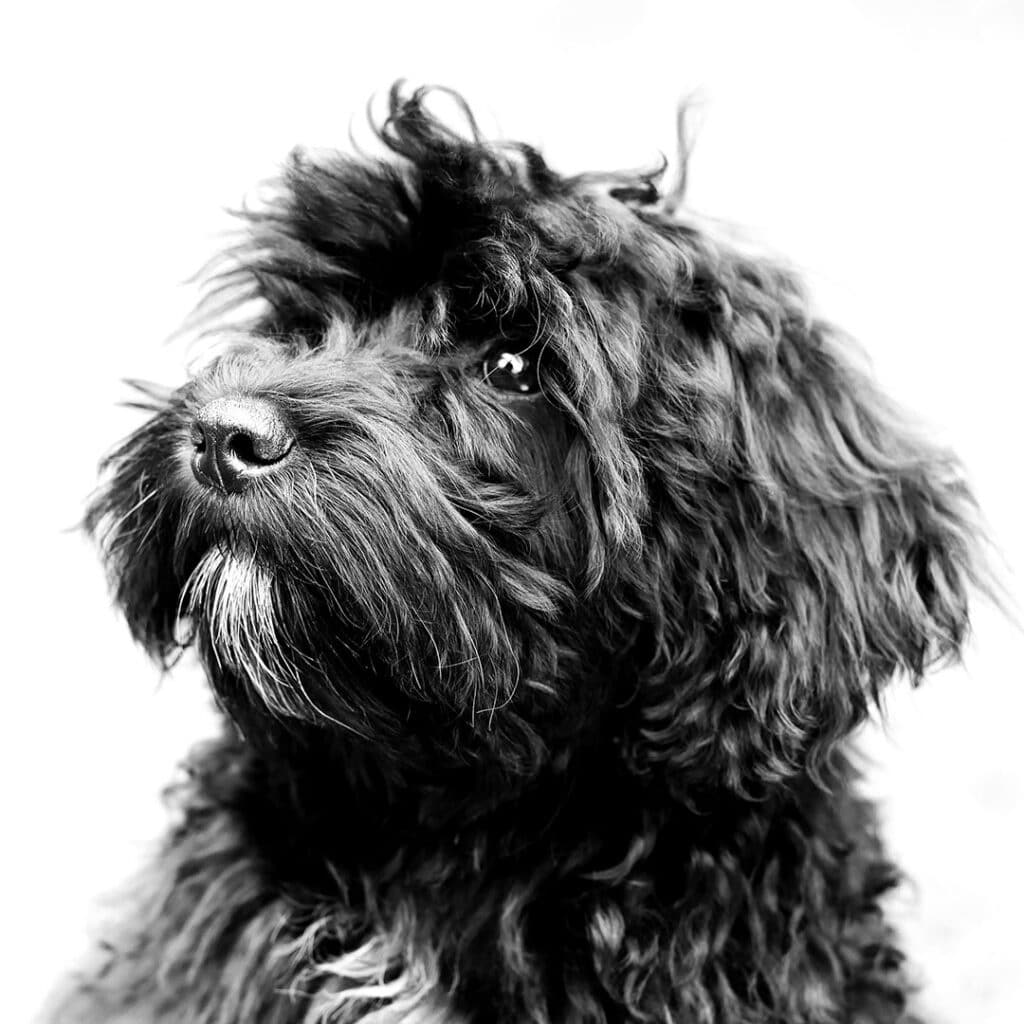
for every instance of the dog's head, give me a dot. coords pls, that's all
(509, 461)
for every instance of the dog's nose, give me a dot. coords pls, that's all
(237, 439)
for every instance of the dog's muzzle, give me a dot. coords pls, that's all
(236, 440)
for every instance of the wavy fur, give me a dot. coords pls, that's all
(539, 704)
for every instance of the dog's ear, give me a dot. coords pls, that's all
(805, 544)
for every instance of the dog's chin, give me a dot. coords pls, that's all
(239, 611)
(230, 601)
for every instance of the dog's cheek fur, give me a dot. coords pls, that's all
(405, 564)
(807, 544)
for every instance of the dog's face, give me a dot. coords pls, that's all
(510, 462)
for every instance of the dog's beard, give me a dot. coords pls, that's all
(230, 597)
(335, 642)
(308, 665)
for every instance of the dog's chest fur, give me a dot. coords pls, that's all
(241, 925)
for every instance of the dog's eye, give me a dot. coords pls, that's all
(510, 371)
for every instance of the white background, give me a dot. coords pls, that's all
(876, 144)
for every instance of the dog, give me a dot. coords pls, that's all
(543, 549)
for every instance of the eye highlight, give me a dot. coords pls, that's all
(510, 371)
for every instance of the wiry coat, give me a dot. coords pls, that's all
(538, 699)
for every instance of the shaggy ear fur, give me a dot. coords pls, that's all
(806, 544)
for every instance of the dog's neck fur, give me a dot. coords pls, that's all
(340, 799)
(385, 913)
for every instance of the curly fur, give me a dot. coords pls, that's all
(539, 704)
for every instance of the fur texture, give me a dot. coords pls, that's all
(539, 655)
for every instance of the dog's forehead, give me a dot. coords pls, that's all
(505, 254)
(479, 238)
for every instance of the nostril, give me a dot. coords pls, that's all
(258, 450)
(241, 445)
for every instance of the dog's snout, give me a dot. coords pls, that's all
(237, 439)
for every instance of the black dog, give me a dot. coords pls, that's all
(542, 552)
